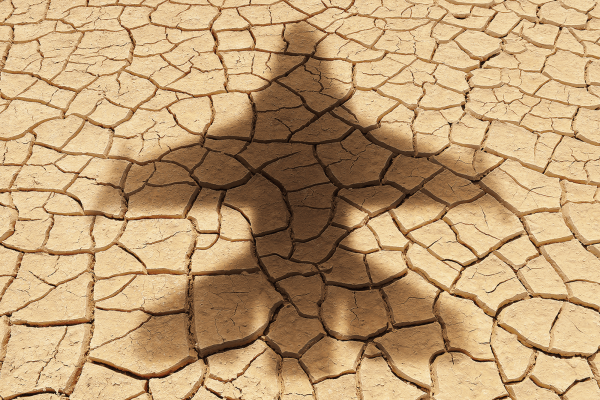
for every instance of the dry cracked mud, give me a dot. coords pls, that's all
(299, 199)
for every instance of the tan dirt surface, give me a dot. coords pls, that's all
(299, 199)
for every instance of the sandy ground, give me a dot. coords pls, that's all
(299, 199)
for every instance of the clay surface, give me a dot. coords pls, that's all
(299, 199)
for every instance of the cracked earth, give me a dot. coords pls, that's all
(299, 199)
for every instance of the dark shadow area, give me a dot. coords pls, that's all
(268, 212)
